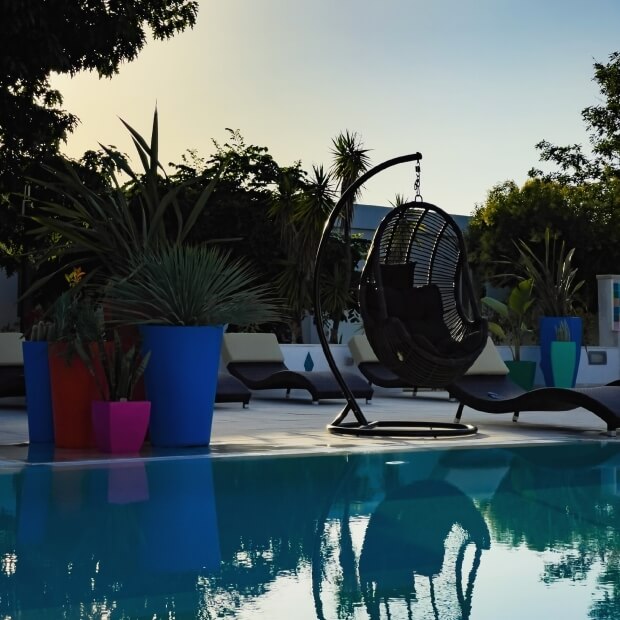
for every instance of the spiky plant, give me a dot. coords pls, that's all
(189, 285)
(553, 277)
(103, 231)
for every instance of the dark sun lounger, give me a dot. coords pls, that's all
(486, 387)
(368, 364)
(231, 390)
(257, 361)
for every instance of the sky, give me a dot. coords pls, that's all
(471, 84)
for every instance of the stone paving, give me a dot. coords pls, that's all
(279, 425)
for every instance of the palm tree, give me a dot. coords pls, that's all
(350, 161)
(300, 207)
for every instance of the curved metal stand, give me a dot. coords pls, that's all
(362, 426)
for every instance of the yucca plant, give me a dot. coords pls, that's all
(553, 277)
(104, 231)
(189, 285)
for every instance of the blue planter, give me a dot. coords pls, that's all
(38, 392)
(180, 381)
(547, 336)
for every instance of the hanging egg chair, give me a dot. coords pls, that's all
(417, 303)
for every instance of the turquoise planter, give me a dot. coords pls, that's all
(180, 381)
(522, 373)
(548, 327)
(38, 392)
(563, 361)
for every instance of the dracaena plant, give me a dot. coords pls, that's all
(553, 276)
(104, 230)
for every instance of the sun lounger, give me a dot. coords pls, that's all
(11, 365)
(231, 390)
(369, 365)
(258, 362)
(486, 387)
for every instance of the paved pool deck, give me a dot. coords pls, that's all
(284, 426)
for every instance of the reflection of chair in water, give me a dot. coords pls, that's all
(422, 529)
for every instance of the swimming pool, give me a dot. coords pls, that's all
(520, 532)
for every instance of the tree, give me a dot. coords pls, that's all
(583, 216)
(55, 36)
(603, 123)
(579, 201)
(300, 208)
(350, 161)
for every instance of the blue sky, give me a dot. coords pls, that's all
(471, 85)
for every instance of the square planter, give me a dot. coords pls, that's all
(522, 373)
(120, 426)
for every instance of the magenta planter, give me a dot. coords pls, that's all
(120, 426)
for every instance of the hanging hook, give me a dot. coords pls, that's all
(416, 184)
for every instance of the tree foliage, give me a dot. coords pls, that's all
(603, 124)
(41, 38)
(584, 217)
(579, 201)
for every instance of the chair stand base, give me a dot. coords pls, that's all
(403, 428)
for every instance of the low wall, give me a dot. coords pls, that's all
(589, 373)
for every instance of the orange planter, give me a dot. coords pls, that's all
(73, 389)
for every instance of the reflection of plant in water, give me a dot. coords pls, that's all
(564, 509)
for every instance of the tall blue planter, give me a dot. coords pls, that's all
(38, 392)
(180, 381)
(548, 325)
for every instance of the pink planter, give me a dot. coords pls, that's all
(120, 426)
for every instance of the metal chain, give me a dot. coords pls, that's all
(416, 185)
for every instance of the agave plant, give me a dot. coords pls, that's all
(104, 231)
(189, 285)
(554, 279)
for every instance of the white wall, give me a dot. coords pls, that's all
(8, 301)
(295, 356)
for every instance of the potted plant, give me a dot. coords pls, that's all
(74, 318)
(181, 296)
(513, 327)
(139, 257)
(37, 382)
(119, 423)
(557, 292)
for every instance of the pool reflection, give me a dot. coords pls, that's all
(366, 536)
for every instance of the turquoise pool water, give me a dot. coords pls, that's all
(529, 532)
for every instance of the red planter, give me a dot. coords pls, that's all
(73, 389)
(120, 426)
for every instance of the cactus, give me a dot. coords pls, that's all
(43, 330)
(562, 332)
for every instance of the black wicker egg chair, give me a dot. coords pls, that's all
(416, 297)
(417, 304)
